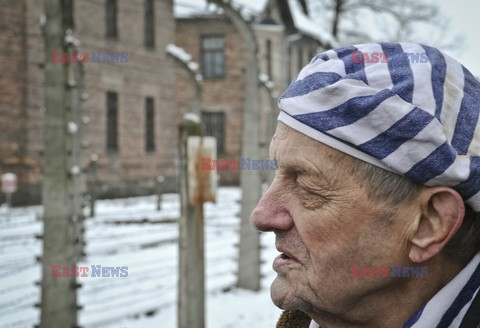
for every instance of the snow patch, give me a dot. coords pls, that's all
(267, 82)
(184, 57)
(191, 117)
(147, 297)
(70, 39)
(196, 8)
(179, 53)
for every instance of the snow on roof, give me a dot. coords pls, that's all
(249, 8)
(305, 25)
(195, 8)
(190, 8)
(253, 6)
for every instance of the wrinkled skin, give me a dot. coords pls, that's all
(324, 223)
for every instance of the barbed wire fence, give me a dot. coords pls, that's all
(106, 238)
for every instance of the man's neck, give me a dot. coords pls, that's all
(393, 305)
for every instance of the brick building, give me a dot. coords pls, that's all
(134, 106)
(286, 38)
(130, 106)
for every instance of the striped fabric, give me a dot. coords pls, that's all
(415, 113)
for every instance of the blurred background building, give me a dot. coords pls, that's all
(286, 38)
(132, 109)
(131, 106)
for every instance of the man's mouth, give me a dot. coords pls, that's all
(285, 253)
(285, 259)
(284, 256)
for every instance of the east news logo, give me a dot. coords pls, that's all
(382, 57)
(96, 57)
(389, 271)
(83, 271)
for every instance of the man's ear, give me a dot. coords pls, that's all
(441, 215)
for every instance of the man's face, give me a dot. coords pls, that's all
(325, 223)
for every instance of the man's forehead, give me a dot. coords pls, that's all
(290, 146)
(285, 136)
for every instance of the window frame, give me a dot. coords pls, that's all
(221, 149)
(111, 19)
(268, 55)
(149, 27)
(150, 146)
(112, 122)
(214, 76)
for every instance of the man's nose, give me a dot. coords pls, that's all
(272, 212)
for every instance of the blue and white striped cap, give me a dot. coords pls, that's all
(415, 113)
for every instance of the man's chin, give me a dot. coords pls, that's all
(281, 292)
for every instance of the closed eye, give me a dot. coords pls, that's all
(292, 171)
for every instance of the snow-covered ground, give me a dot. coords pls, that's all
(147, 297)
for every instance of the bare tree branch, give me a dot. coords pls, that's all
(403, 21)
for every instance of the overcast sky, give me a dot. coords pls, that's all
(464, 18)
(463, 15)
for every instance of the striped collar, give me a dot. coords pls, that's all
(448, 307)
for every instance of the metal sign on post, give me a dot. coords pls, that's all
(202, 183)
(9, 183)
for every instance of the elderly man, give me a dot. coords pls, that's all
(376, 202)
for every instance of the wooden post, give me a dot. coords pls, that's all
(191, 287)
(58, 299)
(191, 284)
(8, 200)
(75, 129)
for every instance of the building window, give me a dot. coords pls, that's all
(269, 58)
(69, 14)
(213, 57)
(111, 16)
(149, 125)
(149, 24)
(112, 121)
(215, 127)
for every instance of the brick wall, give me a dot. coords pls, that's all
(148, 73)
(225, 94)
(13, 88)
